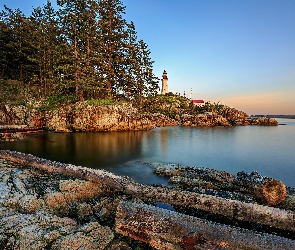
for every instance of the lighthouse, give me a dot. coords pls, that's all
(164, 83)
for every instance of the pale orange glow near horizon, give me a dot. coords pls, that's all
(281, 102)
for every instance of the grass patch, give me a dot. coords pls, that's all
(101, 102)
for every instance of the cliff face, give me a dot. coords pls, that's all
(83, 117)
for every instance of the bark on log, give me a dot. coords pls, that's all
(266, 190)
(206, 174)
(234, 209)
(163, 229)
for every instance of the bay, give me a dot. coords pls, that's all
(268, 150)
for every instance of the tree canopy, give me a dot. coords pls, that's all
(84, 47)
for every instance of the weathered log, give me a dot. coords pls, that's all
(22, 130)
(163, 229)
(186, 182)
(288, 203)
(266, 190)
(95, 175)
(207, 174)
(232, 209)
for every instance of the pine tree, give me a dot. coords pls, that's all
(146, 83)
(86, 45)
(88, 48)
(69, 22)
(78, 19)
(130, 62)
(17, 49)
(49, 43)
(6, 37)
(112, 46)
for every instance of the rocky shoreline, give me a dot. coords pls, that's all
(84, 117)
(42, 210)
(51, 205)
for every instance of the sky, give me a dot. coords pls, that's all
(237, 52)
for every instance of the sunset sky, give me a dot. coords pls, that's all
(239, 52)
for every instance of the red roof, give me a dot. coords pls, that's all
(198, 101)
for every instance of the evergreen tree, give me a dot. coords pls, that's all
(78, 19)
(69, 22)
(146, 83)
(17, 49)
(112, 47)
(86, 44)
(89, 44)
(49, 43)
(131, 61)
(6, 55)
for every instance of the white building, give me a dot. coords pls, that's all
(164, 83)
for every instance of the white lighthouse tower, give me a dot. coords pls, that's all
(164, 83)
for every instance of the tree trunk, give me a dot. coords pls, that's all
(79, 92)
(164, 229)
(21, 71)
(232, 209)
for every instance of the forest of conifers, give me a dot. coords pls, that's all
(83, 47)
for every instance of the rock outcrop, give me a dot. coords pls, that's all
(205, 120)
(264, 121)
(218, 116)
(81, 116)
(41, 210)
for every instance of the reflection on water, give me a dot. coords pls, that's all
(92, 149)
(268, 150)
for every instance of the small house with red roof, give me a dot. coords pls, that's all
(198, 102)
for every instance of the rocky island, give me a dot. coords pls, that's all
(122, 116)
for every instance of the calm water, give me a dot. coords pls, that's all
(268, 150)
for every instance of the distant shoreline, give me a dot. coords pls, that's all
(275, 116)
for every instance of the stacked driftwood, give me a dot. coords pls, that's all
(17, 132)
(164, 229)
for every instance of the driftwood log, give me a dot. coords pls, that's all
(206, 174)
(266, 190)
(163, 229)
(232, 209)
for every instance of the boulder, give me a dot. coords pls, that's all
(264, 121)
